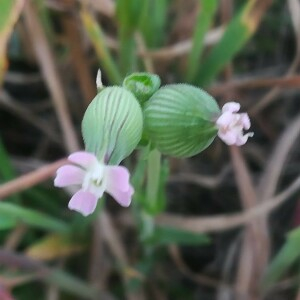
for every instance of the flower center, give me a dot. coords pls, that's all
(94, 180)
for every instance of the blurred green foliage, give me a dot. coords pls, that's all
(43, 209)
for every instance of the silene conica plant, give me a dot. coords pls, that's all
(178, 120)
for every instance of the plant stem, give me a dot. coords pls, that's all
(153, 176)
(30, 179)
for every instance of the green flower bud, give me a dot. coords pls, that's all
(112, 124)
(142, 85)
(180, 120)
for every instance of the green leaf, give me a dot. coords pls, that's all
(287, 256)
(7, 222)
(9, 14)
(153, 20)
(7, 171)
(179, 120)
(238, 32)
(128, 13)
(96, 36)
(112, 124)
(204, 20)
(168, 235)
(32, 218)
(71, 284)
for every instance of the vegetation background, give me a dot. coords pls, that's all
(226, 226)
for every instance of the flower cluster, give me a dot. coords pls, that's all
(232, 124)
(95, 178)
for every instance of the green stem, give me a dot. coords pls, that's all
(153, 177)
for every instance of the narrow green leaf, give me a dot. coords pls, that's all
(288, 255)
(204, 20)
(96, 35)
(7, 171)
(9, 14)
(238, 32)
(153, 20)
(71, 284)
(168, 235)
(7, 222)
(128, 13)
(42, 198)
(32, 218)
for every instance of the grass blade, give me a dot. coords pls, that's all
(97, 38)
(9, 14)
(33, 218)
(128, 15)
(6, 170)
(287, 256)
(153, 20)
(238, 32)
(204, 20)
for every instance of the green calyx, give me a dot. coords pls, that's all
(180, 120)
(142, 85)
(112, 124)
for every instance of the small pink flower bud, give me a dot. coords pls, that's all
(232, 124)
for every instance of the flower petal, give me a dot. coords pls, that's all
(242, 139)
(123, 198)
(245, 121)
(231, 107)
(83, 202)
(225, 119)
(229, 137)
(118, 185)
(83, 159)
(68, 175)
(117, 177)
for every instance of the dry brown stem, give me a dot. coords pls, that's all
(255, 83)
(29, 180)
(198, 278)
(227, 221)
(47, 63)
(209, 182)
(79, 60)
(182, 48)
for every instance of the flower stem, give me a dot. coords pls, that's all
(153, 177)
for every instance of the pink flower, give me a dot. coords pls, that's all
(231, 125)
(95, 178)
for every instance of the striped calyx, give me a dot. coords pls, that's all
(180, 119)
(112, 125)
(142, 85)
